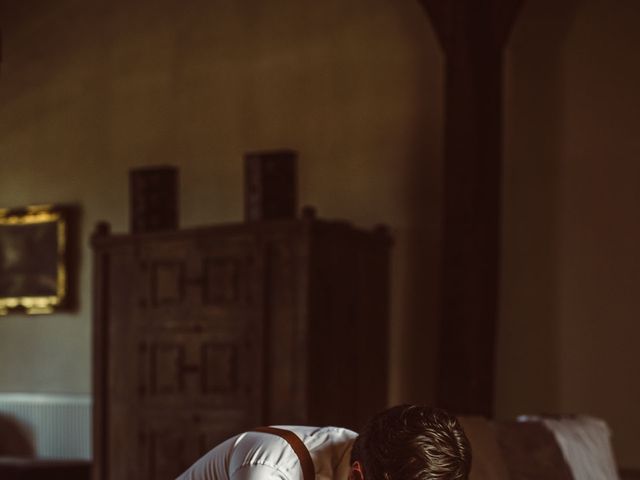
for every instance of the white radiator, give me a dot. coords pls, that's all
(60, 424)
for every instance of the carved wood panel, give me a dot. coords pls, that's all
(168, 444)
(193, 351)
(211, 368)
(187, 284)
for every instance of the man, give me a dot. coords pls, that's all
(407, 442)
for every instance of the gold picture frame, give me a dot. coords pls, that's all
(33, 259)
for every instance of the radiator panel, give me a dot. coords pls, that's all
(60, 424)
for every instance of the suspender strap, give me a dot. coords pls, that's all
(308, 470)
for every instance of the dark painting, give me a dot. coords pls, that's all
(33, 253)
(29, 260)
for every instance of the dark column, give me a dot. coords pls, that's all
(472, 34)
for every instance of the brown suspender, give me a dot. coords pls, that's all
(308, 470)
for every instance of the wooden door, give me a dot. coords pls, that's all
(189, 374)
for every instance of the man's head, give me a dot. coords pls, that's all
(410, 442)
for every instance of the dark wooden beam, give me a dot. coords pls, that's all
(441, 14)
(472, 34)
(495, 17)
(504, 14)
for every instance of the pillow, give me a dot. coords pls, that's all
(531, 452)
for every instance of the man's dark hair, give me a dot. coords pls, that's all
(411, 442)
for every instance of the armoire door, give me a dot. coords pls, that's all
(192, 375)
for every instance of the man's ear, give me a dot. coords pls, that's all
(356, 471)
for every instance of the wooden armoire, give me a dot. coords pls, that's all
(205, 332)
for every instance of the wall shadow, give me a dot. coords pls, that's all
(417, 277)
(527, 365)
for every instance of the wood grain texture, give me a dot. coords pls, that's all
(208, 332)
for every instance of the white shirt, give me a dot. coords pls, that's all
(264, 456)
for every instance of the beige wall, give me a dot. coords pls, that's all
(91, 89)
(571, 303)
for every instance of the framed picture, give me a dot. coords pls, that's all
(33, 259)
